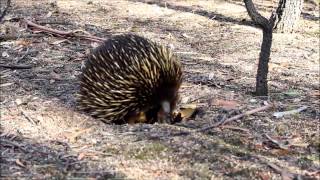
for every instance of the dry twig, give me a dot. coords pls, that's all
(278, 144)
(236, 117)
(63, 33)
(286, 113)
(55, 22)
(29, 118)
(16, 66)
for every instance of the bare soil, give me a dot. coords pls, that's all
(44, 136)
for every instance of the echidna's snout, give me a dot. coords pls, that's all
(166, 107)
(164, 115)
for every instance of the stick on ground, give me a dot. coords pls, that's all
(63, 33)
(236, 117)
(16, 66)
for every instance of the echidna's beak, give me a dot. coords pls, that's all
(164, 114)
(166, 107)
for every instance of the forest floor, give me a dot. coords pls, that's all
(43, 135)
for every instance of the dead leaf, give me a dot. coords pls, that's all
(188, 110)
(19, 163)
(22, 42)
(81, 156)
(284, 64)
(225, 104)
(264, 175)
(280, 152)
(258, 146)
(72, 137)
(273, 66)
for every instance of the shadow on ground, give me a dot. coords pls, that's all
(211, 15)
(23, 158)
(306, 15)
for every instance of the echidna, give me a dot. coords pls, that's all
(130, 79)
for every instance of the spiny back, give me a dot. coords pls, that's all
(128, 75)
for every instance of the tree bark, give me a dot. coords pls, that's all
(262, 72)
(267, 27)
(288, 16)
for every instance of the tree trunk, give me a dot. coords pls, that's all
(267, 27)
(288, 18)
(262, 72)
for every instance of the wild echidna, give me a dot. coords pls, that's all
(130, 79)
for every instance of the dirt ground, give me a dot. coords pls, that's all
(44, 136)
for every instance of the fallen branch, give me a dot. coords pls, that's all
(54, 22)
(286, 113)
(63, 33)
(236, 117)
(278, 144)
(16, 66)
